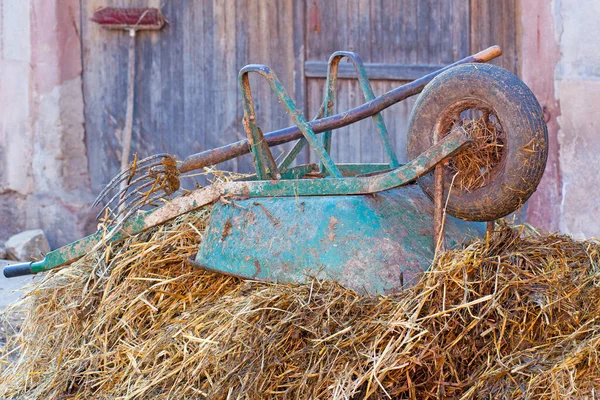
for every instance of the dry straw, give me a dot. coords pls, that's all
(477, 163)
(516, 317)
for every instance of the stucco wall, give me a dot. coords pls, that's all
(578, 90)
(560, 57)
(43, 164)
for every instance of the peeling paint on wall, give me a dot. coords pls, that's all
(561, 63)
(540, 54)
(44, 180)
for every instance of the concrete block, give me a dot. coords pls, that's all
(28, 246)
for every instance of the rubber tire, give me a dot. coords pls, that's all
(526, 137)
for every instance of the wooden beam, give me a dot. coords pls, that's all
(376, 71)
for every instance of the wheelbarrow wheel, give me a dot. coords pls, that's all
(505, 163)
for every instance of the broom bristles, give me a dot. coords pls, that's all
(129, 18)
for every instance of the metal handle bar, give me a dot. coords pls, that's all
(237, 149)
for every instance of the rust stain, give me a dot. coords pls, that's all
(258, 269)
(332, 226)
(250, 218)
(332, 223)
(227, 229)
(271, 216)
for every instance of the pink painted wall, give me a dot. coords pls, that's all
(539, 56)
(43, 173)
(561, 62)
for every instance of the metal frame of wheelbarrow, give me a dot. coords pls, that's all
(279, 180)
(321, 248)
(342, 179)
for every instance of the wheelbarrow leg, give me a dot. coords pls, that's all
(438, 216)
(490, 226)
(439, 241)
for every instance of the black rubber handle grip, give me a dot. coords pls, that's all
(18, 270)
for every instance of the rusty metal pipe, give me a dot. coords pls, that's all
(438, 213)
(222, 154)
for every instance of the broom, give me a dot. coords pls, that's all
(132, 20)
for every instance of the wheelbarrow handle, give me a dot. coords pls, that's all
(237, 149)
(15, 270)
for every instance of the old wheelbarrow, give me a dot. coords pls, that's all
(367, 226)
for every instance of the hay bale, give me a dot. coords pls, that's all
(514, 317)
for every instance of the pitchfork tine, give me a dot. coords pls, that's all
(124, 199)
(140, 197)
(131, 187)
(139, 205)
(114, 185)
(125, 175)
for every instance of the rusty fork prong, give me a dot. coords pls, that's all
(159, 186)
(142, 198)
(127, 174)
(121, 194)
(141, 203)
(123, 199)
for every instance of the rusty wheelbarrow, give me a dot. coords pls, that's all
(367, 226)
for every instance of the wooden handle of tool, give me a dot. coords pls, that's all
(488, 54)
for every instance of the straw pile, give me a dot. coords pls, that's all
(514, 317)
(477, 163)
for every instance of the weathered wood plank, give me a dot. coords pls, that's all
(187, 97)
(435, 32)
(461, 29)
(423, 12)
(299, 40)
(495, 22)
(407, 21)
(349, 145)
(399, 41)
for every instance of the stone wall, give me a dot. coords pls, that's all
(43, 164)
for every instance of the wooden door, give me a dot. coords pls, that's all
(187, 98)
(399, 40)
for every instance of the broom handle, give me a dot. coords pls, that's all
(237, 149)
(128, 129)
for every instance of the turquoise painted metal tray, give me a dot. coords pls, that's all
(375, 243)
